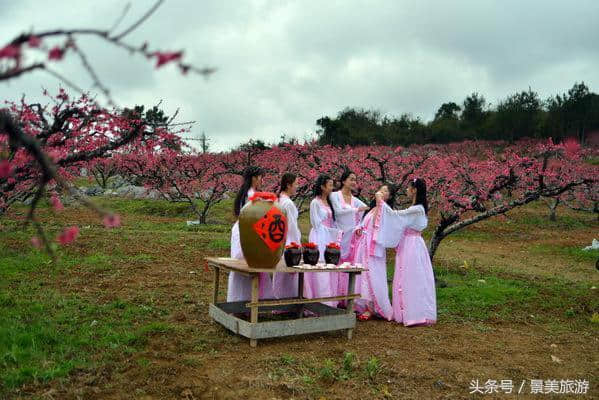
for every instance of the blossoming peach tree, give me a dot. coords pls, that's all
(41, 146)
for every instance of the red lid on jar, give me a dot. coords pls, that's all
(268, 196)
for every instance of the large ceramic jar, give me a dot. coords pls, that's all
(262, 230)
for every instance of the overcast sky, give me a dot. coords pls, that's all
(284, 64)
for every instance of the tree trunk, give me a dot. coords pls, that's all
(434, 244)
(553, 210)
(203, 214)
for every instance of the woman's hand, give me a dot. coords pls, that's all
(363, 208)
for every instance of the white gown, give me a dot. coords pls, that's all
(347, 217)
(413, 294)
(285, 285)
(323, 232)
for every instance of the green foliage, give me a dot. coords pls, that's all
(372, 367)
(519, 115)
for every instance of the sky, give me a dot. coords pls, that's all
(281, 65)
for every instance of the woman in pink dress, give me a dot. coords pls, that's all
(285, 284)
(324, 231)
(348, 214)
(414, 296)
(372, 284)
(239, 286)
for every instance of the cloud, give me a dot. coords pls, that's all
(284, 64)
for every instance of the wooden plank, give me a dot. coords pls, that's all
(227, 320)
(296, 300)
(350, 304)
(254, 307)
(216, 283)
(300, 294)
(331, 319)
(302, 326)
(233, 264)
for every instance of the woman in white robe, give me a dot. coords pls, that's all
(239, 287)
(372, 284)
(348, 214)
(413, 293)
(285, 284)
(324, 231)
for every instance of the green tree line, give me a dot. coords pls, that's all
(520, 115)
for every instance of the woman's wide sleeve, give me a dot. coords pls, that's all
(391, 226)
(293, 232)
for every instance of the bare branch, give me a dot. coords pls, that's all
(140, 21)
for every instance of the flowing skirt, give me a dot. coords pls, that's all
(284, 285)
(239, 287)
(320, 284)
(414, 296)
(372, 284)
(348, 252)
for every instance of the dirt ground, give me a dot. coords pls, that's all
(201, 360)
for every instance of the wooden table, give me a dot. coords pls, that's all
(327, 318)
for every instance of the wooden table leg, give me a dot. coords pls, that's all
(300, 293)
(350, 302)
(254, 309)
(216, 283)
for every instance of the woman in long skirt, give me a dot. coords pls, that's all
(240, 286)
(324, 231)
(372, 284)
(348, 214)
(285, 284)
(414, 296)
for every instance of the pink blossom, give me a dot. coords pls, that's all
(112, 221)
(34, 41)
(571, 146)
(5, 169)
(68, 235)
(163, 58)
(10, 51)
(56, 53)
(56, 203)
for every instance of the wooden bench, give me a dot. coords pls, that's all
(327, 318)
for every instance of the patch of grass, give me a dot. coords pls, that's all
(572, 253)
(220, 244)
(593, 161)
(45, 335)
(472, 296)
(327, 371)
(473, 234)
(563, 221)
(372, 368)
(478, 298)
(145, 206)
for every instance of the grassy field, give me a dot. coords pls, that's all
(123, 314)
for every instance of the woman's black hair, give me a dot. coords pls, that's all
(286, 180)
(420, 186)
(320, 182)
(242, 194)
(390, 201)
(346, 173)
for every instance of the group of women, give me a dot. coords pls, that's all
(363, 233)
